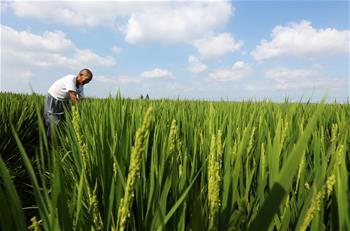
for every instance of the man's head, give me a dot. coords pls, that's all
(84, 76)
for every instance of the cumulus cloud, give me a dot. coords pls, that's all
(217, 46)
(123, 80)
(135, 80)
(86, 13)
(297, 78)
(25, 40)
(238, 71)
(128, 80)
(49, 49)
(177, 22)
(157, 74)
(302, 39)
(25, 55)
(141, 22)
(281, 74)
(195, 65)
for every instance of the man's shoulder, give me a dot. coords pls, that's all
(70, 76)
(68, 79)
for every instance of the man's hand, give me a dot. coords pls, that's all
(73, 96)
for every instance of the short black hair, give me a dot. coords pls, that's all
(86, 71)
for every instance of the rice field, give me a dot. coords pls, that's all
(123, 164)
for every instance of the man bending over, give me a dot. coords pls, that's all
(68, 88)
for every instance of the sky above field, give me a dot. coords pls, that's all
(194, 50)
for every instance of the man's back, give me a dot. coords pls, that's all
(60, 88)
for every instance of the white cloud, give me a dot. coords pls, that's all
(76, 13)
(15, 80)
(297, 78)
(51, 49)
(238, 71)
(157, 74)
(116, 49)
(127, 80)
(301, 39)
(124, 79)
(283, 74)
(217, 46)
(177, 22)
(88, 57)
(195, 65)
(135, 80)
(48, 41)
(3, 6)
(142, 22)
(27, 56)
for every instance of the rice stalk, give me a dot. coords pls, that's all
(96, 216)
(134, 171)
(214, 180)
(172, 138)
(36, 225)
(80, 137)
(220, 149)
(317, 200)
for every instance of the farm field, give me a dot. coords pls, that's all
(123, 164)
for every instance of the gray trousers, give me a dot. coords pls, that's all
(53, 113)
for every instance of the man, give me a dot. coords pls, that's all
(68, 88)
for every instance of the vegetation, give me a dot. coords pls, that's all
(122, 164)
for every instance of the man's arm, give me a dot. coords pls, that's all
(73, 96)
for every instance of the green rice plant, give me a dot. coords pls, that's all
(9, 202)
(134, 171)
(197, 165)
(285, 178)
(82, 145)
(213, 185)
(316, 202)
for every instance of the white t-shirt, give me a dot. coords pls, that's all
(60, 89)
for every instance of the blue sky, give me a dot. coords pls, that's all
(232, 50)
